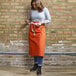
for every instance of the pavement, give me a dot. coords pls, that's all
(46, 71)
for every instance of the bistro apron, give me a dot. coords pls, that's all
(36, 38)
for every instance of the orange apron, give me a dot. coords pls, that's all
(36, 38)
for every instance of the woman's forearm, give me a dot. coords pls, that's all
(46, 21)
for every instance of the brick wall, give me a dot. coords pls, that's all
(60, 33)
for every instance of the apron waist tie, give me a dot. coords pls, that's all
(33, 30)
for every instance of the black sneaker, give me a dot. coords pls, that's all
(34, 67)
(39, 72)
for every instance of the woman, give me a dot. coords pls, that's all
(39, 16)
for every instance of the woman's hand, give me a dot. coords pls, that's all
(27, 22)
(37, 24)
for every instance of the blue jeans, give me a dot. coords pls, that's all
(38, 60)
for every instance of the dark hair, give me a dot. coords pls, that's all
(38, 4)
